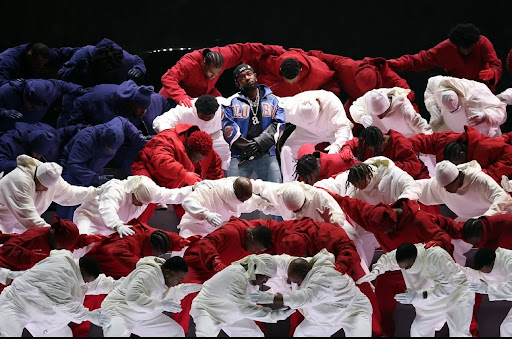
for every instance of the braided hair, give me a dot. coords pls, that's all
(213, 58)
(305, 166)
(472, 229)
(360, 171)
(455, 152)
(108, 59)
(160, 241)
(370, 137)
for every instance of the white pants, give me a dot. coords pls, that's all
(458, 319)
(506, 325)
(208, 327)
(291, 146)
(159, 326)
(355, 326)
(222, 148)
(12, 324)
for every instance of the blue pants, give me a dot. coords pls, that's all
(266, 168)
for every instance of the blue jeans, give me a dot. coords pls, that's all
(266, 168)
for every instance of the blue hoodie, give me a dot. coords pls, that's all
(79, 69)
(40, 91)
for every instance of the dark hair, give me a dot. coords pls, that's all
(306, 165)
(406, 251)
(290, 68)
(176, 264)
(90, 266)
(484, 257)
(160, 241)
(213, 58)
(454, 149)
(369, 137)
(358, 172)
(472, 228)
(464, 35)
(39, 49)
(263, 235)
(206, 104)
(108, 59)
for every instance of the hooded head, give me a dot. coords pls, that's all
(140, 96)
(35, 92)
(367, 77)
(40, 142)
(310, 110)
(259, 267)
(450, 101)
(65, 234)
(446, 172)
(48, 173)
(142, 187)
(294, 196)
(295, 245)
(378, 102)
(112, 137)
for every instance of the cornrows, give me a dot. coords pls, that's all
(370, 137)
(213, 58)
(453, 150)
(358, 172)
(305, 166)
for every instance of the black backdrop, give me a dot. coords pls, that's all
(351, 28)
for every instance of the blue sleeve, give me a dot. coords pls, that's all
(62, 55)
(72, 72)
(136, 61)
(230, 128)
(9, 67)
(77, 163)
(279, 115)
(132, 133)
(9, 151)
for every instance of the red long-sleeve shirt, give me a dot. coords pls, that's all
(186, 78)
(493, 154)
(415, 225)
(314, 74)
(447, 56)
(401, 151)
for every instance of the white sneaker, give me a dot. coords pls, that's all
(161, 206)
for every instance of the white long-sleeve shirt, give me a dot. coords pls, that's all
(506, 96)
(220, 199)
(479, 194)
(21, 205)
(114, 207)
(401, 116)
(433, 271)
(51, 293)
(388, 184)
(332, 123)
(499, 279)
(474, 97)
(225, 298)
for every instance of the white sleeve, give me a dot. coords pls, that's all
(70, 195)
(386, 262)
(258, 203)
(110, 203)
(172, 195)
(501, 202)
(237, 294)
(445, 272)
(506, 96)
(358, 109)
(409, 187)
(170, 118)
(4, 272)
(101, 285)
(194, 204)
(431, 103)
(430, 192)
(415, 121)
(138, 295)
(343, 127)
(502, 291)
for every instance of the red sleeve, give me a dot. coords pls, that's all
(450, 226)
(500, 157)
(175, 240)
(406, 159)
(165, 161)
(171, 79)
(236, 53)
(86, 239)
(4, 237)
(215, 92)
(20, 258)
(490, 57)
(126, 252)
(347, 257)
(353, 144)
(421, 61)
(214, 170)
(201, 254)
(431, 231)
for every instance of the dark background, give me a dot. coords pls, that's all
(351, 28)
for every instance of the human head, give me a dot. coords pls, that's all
(464, 36)
(406, 254)
(89, 268)
(290, 70)
(174, 269)
(310, 110)
(258, 239)
(367, 77)
(294, 196)
(34, 95)
(456, 152)
(47, 175)
(206, 107)
(142, 188)
(298, 269)
(450, 101)
(484, 260)
(370, 139)
(112, 136)
(63, 234)
(472, 231)
(140, 100)
(295, 244)
(245, 78)
(38, 56)
(160, 242)
(448, 176)
(243, 188)
(198, 145)
(105, 63)
(359, 176)
(378, 102)
(308, 167)
(40, 143)
(212, 63)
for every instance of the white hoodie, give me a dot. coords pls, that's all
(21, 205)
